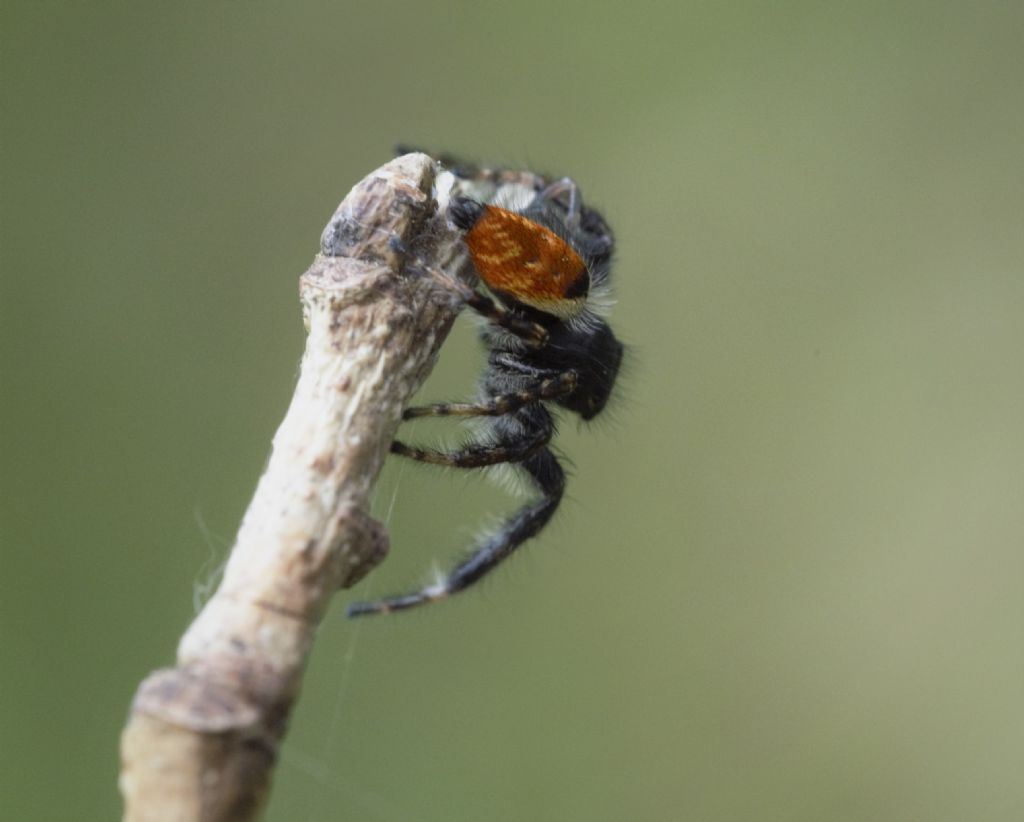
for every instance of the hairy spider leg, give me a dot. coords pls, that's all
(572, 209)
(530, 332)
(517, 436)
(547, 389)
(548, 476)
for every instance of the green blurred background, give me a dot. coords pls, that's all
(789, 581)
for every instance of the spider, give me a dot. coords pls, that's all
(546, 268)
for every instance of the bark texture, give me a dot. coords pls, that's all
(202, 737)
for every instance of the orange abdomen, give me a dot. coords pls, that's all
(521, 258)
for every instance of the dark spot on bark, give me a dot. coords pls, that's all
(340, 235)
(324, 464)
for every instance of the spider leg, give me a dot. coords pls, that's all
(472, 456)
(518, 438)
(549, 478)
(509, 362)
(530, 332)
(546, 389)
(572, 209)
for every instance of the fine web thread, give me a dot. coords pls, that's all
(209, 575)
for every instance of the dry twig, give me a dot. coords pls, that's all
(202, 737)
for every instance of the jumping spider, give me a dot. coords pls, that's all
(547, 268)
